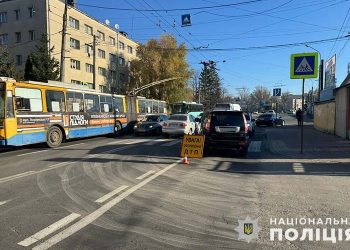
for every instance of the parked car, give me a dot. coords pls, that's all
(251, 123)
(269, 119)
(179, 124)
(226, 129)
(152, 124)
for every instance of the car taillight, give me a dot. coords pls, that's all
(246, 128)
(183, 125)
(207, 126)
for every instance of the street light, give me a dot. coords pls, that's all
(320, 76)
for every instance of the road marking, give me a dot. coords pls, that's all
(298, 168)
(13, 177)
(99, 212)
(145, 175)
(111, 194)
(156, 141)
(4, 202)
(49, 230)
(61, 164)
(255, 147)
(36, 152)
(169, 144)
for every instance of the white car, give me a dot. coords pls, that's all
(179, 124)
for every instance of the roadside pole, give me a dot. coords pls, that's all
(303, 66)
(302, 119)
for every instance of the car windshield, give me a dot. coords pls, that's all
(178, 118)
(2, 104)
(227, 119)
(153, 118)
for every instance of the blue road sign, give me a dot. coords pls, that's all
(304, 65)
(186, 20)
(277, 92)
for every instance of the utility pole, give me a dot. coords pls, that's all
(94, 62)
(63, 44)
(320, 79)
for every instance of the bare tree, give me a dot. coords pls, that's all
(260, 97)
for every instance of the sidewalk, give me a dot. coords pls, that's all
(285, 141)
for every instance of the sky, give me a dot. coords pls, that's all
(227, 34)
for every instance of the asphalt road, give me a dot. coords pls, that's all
(133, 193)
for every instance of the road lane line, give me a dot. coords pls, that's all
(111, 194)
(145, 175)
(4, 202)
(99, 212)
(61, 164)
(298, 168)
(13, 177)
(49, 230)
(169, 144)
(36, 152)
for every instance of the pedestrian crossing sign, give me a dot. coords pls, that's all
(304, 65)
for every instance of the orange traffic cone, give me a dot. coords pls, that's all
(185, 161)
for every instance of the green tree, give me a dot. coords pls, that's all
(7, 65)
(40, 66)
(162, 59)
(210, 86)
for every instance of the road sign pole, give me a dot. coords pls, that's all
(302, 119)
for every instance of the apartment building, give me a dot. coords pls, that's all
(22, 22)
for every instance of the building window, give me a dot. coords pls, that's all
(17, 14)
(3, 17)
(31, 12)
(74, 43)
(73, 23)
(31, 35)
(121, 45)
(4, 39)
(112, 58)
(89, 50)
(101, 53)
(76, 82)
(18, 37)
(121, 61)
(111, 41)
(74, 64)
(102, 71)
(89, 68)
(19, 60)
(88, 30)
(101, 35)
(130, 49)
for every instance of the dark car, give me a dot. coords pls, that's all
(269, 119)
(151, 125)
(226, 129)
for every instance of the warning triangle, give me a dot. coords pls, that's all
(186, 20)
(304, 67)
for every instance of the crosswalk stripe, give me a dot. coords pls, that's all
(155, 141)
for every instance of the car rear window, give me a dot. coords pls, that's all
(227, 119)
(178, 118)
(152, 118)
(266, 116)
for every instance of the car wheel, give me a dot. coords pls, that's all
(117, 129)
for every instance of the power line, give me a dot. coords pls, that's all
(169, 10)
(340, 31)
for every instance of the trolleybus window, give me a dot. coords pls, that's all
(92, 103)
(29, 100)
(118, 103)
(106, 103)
(55, 101)
(75, 102)
(2, 104)
(9, 105)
